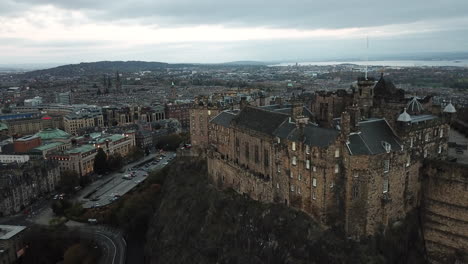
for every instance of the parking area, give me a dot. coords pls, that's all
(120, 183)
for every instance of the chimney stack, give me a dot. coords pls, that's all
(345, 124)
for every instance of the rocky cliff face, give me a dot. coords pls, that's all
(196, 223)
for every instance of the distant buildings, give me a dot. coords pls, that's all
(179, 111)
(65, 98)
(81, 158)
(33, 102)
(74, 122)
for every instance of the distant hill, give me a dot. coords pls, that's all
(246, 63)
(101, 67)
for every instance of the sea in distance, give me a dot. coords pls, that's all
(387, 63)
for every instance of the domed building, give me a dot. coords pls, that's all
(54, 135)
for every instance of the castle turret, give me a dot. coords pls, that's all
(449, 112)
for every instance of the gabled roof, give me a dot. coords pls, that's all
(311, 135)
(223, 119)
(372, 137)
(259, 120)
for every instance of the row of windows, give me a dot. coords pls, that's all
(307, 149)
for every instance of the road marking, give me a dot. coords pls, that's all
(115, 247)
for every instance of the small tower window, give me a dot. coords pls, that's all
(385, 185)
(293, 146)
(337, 153)
(294, 160)
(386, 165)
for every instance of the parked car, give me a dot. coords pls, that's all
(92, 221)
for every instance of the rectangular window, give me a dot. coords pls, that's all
(385, 185)
(279, 168)
(307, 149)
(386, 165)
(314, 196)
(294, 160)
(299, 189)
(411, 142)
(425, 153)
(314, 168)
(257, 158)
(293, 146)
(440, 150)
(278, 140)
(277, 186)
(441, 134)
(408, 161)
(247, 151)
(426, 138)
(355, 191)
(292, 188)
(308, 164)
(314, 182)
(266, 158)
(337, 153)
(291, 175)
(299, 177)
(356, 175)
(337, 168)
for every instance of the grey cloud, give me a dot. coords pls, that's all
(292, 13)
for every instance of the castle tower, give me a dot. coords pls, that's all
(173, 95)
(449, 112)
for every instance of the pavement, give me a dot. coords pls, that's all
(110, 188)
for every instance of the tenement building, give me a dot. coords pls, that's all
(21, 184)
(360, 169)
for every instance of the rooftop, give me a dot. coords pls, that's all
(9, 231)
(3, 126)
(52, 133)
(81, 149)
(373, 137)
(48, 146)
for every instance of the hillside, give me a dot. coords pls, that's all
(195, 223)
(101, 67)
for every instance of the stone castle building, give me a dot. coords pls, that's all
(353, 159)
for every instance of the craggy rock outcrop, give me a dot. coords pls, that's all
(196, 223)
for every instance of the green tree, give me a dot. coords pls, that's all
(68, 181)
(170, 142)
(115, 161)
(100, 162)
(135, 153)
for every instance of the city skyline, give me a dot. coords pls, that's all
(213, 32)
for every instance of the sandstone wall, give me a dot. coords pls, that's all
(445, 211)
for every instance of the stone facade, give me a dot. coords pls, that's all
(445, 211)
(21, 184)
(359, 171)
(200, 116)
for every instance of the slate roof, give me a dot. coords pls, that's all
(260, 120)
(311, 135)
(286, 109)
(369, 140)
(223, 119)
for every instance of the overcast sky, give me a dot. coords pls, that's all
(70, 31)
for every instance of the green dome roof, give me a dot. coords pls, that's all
(52, 133)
